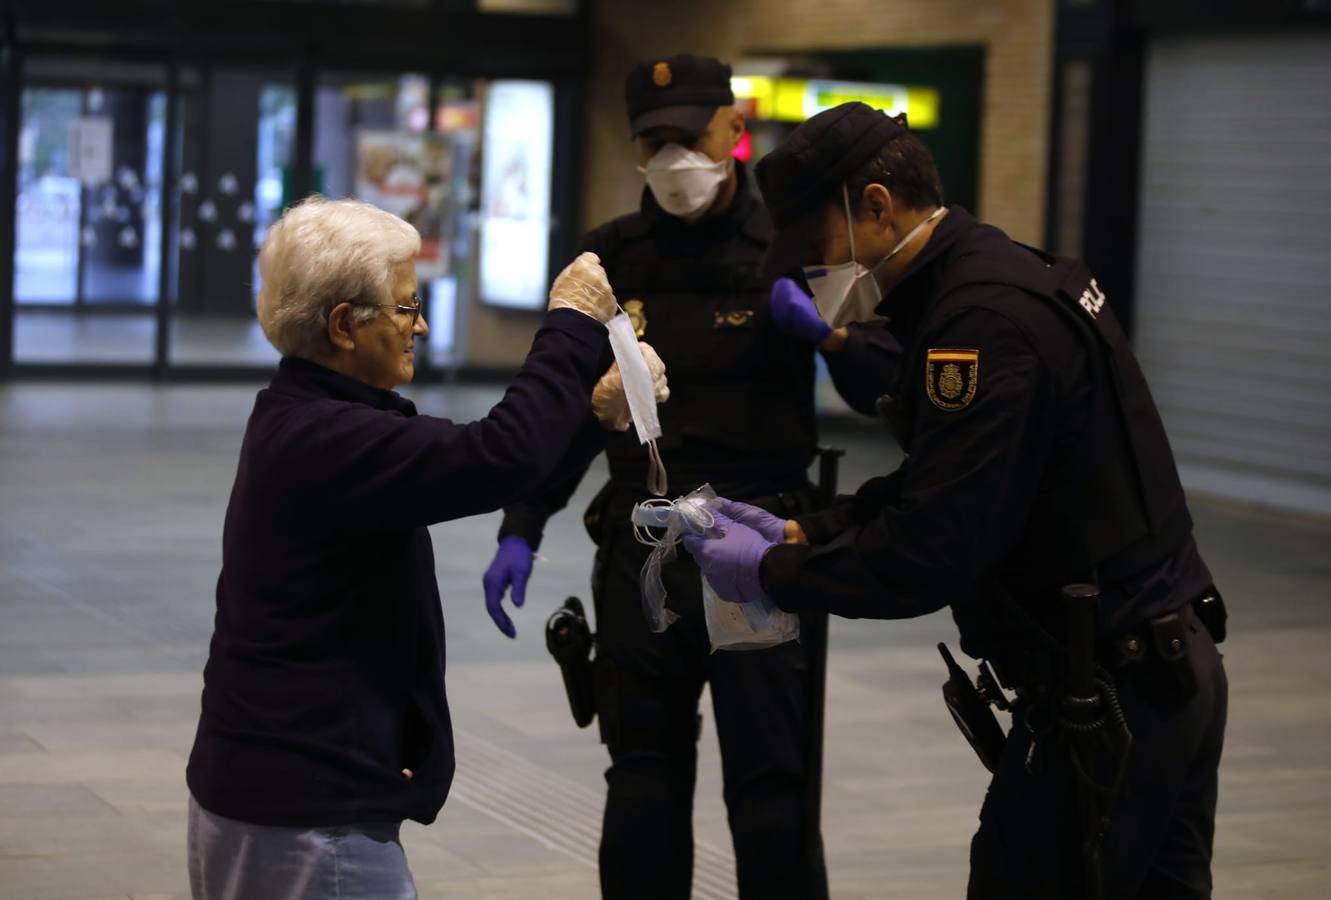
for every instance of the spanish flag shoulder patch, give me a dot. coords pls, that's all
(951, 376)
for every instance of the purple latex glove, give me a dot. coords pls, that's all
(794, 313)
(772, 528)
(730, 562)
(510, 567)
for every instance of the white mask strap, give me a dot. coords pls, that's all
(850, 223)
(656, 470)
(690, 514)
(910, 236)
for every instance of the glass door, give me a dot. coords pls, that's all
(236, 155)
(144, 192)
(88, 216)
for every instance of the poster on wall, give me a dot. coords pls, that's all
(515, 193)
(409, 174)
(91, 139)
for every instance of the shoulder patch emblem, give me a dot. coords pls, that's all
(951, 377)
(637, 316)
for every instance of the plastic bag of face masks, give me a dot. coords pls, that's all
(730, 626)
(746, 626)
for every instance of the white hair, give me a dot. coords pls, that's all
(321, 253)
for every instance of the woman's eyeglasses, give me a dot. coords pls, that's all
(414, 310)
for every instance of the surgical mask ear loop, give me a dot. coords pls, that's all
(642, 533)
(850, 232)
(656, 470)
(684, 514)
(850, 223)
(675, 516)
(910, 236)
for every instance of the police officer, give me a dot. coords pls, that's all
(1036, 459)
(741, 417)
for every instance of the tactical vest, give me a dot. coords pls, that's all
(741, 393)
(1113, 506)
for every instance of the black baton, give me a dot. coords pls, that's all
(1079, 604)
(1082, 711)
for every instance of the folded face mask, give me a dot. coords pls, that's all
(640, 394)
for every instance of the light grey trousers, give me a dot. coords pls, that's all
(230, 860)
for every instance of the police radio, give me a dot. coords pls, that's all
(970, 710)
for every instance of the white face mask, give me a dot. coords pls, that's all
(849, 292)
(684, 182)
(640, 393)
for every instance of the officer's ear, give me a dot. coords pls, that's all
(876, 204)
(734, 127)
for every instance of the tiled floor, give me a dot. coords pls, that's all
(111, 502)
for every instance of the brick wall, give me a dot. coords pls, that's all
(1018, 35)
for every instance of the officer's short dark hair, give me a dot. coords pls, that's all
(906, 168)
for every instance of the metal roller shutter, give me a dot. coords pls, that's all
(1234, 263)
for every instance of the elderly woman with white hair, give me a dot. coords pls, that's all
(324, 721)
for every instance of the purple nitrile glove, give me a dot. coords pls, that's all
(730, 562)
(772, 528)
(511, 566)
(794, 313)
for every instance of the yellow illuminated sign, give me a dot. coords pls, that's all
(796, 99)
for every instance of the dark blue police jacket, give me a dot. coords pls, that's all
(325, 676)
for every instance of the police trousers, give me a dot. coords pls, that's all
(647, 691)
(1159, 840)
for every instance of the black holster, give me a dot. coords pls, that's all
(569, 640)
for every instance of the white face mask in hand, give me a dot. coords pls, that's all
(684, 182)
(849, 292)
(641, 395)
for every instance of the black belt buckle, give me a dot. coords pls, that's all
(1170, 642)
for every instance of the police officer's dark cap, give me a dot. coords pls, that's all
(799, 177)
(683, 91)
